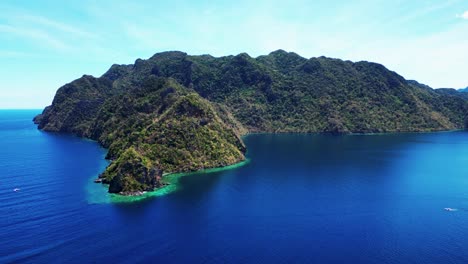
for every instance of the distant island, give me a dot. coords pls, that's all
(178, 113)
(463, 90)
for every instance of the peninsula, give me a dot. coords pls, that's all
(178, 113)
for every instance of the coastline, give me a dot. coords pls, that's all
(171, 179)
(354, 133)
(98, 193)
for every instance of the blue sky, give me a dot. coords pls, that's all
(45, 44)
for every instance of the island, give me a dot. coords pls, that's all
(176, 112)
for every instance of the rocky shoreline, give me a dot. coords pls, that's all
(131, 193)
(137, 193)
(166, 183)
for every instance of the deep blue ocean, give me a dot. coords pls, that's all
(300, 199)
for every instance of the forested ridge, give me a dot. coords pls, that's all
(175, 112)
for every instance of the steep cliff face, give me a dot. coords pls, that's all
(132, 172)
(75, 106)
(175, 112)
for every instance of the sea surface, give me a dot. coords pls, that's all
(300, 199)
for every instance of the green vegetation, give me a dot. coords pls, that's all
(132, 172)
(181, 113)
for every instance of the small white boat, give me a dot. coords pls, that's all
(16, 189)
(450, 209)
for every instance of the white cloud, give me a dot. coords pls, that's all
(438, 59)
(464, 15)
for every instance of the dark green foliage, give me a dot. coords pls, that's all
(132, 172)
(283, 92)
(75, 105)
(183, 113)
(157, 125)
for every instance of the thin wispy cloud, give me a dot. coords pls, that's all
(42, 31)
(427, 10)
(55, 25)
(418, 39)
(16, 54)
(24, 17)
(37, 36)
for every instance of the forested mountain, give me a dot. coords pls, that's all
(174, 112)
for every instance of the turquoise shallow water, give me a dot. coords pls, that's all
(300, 199)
